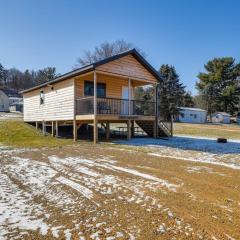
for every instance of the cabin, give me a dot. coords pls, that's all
(221, 117)
(101, 93)
(191, 115)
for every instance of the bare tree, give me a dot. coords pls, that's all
(104, 50)
(45, 75)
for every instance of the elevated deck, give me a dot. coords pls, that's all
(114, 109)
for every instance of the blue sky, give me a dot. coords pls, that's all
(183, 33)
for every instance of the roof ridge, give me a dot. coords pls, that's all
(92, 66)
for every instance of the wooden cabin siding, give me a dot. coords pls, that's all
(128, 66)
(58, 105)
(113, 85)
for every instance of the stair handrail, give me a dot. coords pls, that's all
(167, 129)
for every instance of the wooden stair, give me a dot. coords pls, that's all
(148, 128)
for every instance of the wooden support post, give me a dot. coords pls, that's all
(74, 130)
(95, 122)
(129, 96)
(36, 125)
(108, 130)
(132, 128)
(155, 129)
(95, 131)
(53, 128)
(43, 128)
(129, 129)
(56, 135)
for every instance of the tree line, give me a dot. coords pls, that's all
(218, 87)
(18, 80)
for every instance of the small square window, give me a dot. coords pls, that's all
(89, 89)
(42, 97)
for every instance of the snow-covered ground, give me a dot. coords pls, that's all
(10, 115)
(119, 192)
(197, 149)
(31, 191)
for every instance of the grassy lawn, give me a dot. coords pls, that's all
(19, 134)
(207, 130)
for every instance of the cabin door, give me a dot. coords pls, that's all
(125, 100)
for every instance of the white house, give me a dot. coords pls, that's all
(221, 117)
(4, 102)
(9, 98)
(192, 115)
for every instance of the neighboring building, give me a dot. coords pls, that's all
(221, 117)
(238, 118)
(16, 106)
(101, 92)
(4, 102)
(8, 98)
(192, 115)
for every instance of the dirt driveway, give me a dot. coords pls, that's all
(155, 191)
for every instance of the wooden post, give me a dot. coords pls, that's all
(56, 129)
(132, 128)
(155, 133)
(52, 128)
(155, 129)
(129, 96)
(108, 130)
(74, 131)
(129, 129)
(43, 128)
(95, 131)
(36, 125)
(95, 123)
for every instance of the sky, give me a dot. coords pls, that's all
(182, 33)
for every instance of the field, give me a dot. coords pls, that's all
(231, 131)
(183, 188)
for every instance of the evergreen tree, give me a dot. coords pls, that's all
(188, 100)
(219, 86)
(170, 92)
(3, 75)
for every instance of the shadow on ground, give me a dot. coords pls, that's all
(188, 143)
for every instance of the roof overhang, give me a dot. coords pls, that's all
(93, 66)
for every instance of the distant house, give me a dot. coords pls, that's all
(4, 102)
(16, 106)
(192, 115)
(9, 98)
(221, 117)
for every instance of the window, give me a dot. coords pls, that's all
(89, 89)
(42, 97)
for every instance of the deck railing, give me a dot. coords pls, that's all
(115, 106)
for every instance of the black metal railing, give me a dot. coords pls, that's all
(115, 106)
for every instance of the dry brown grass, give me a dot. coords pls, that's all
(205, 204)
(230, 131)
